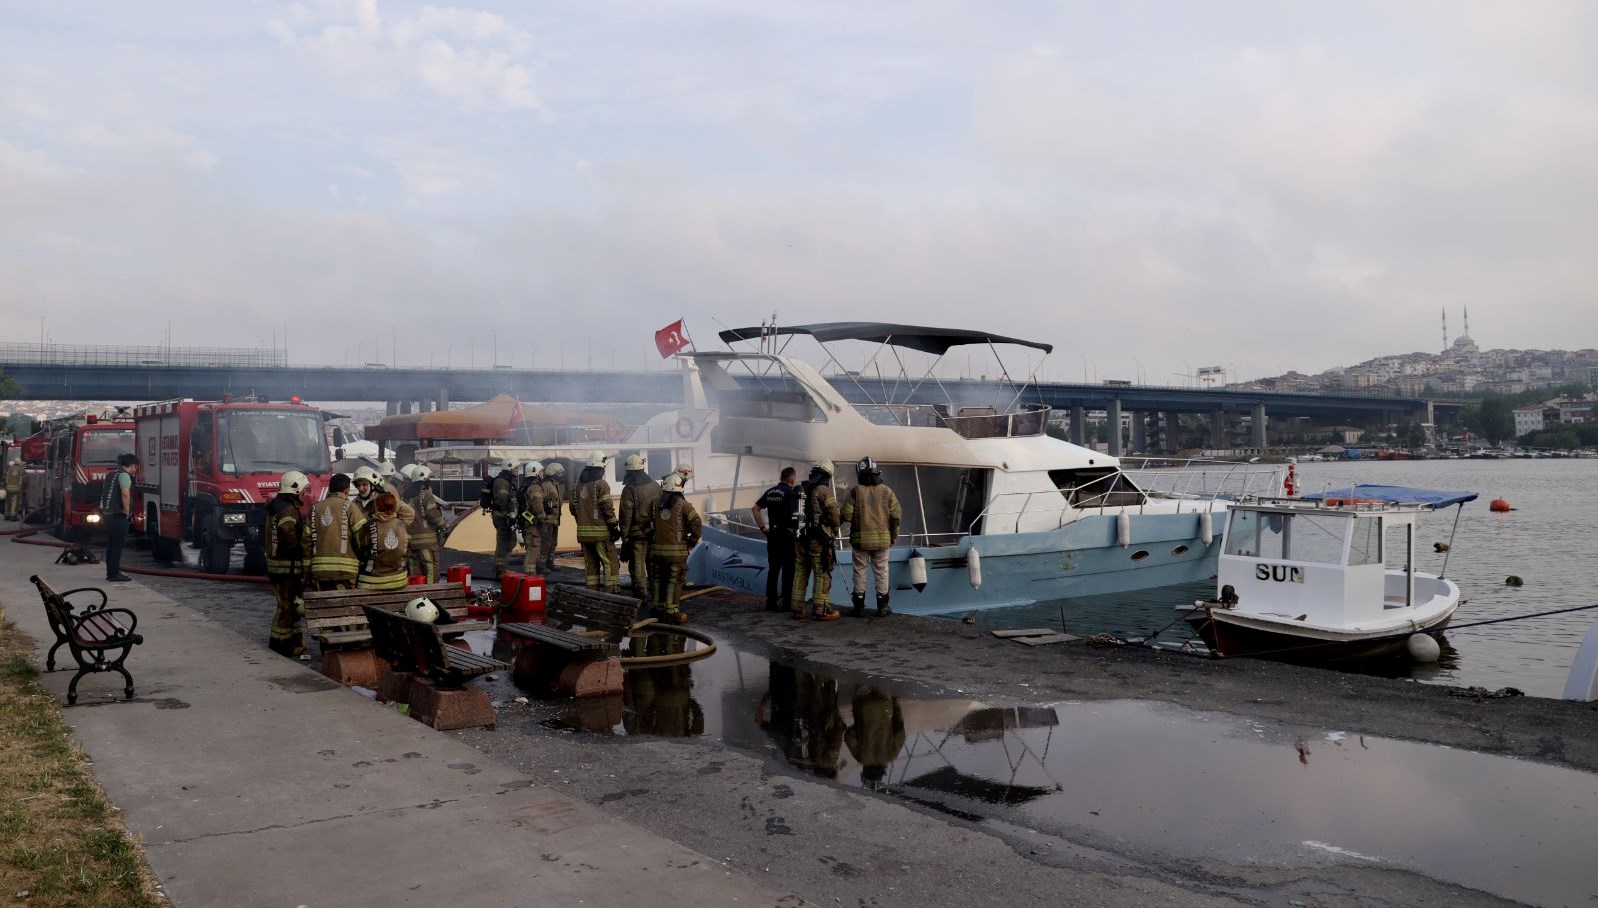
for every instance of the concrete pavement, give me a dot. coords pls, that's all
(252, 780)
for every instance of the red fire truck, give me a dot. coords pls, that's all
(209, 468)
(79, 451)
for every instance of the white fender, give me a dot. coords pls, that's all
(1582, 683)
(974, 568)
(918, 570)
(1206, 528)
(1123, 529)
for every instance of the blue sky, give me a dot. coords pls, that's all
(1149, 186)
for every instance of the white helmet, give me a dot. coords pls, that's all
(823, 465)
(554, 469)
(293, 483)
(685, 471)
(634, 462)
(420, 472)
(408, 472)
(366, 473)
(596, 458)
(531, 468)
(421, 609)
(673, 483)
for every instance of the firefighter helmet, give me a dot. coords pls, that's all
(823, 465)
(673, 483)
(420, 473)
(553, 470)
(364, 473)
(293, 483)
(531, 468)
(421, 609)
(634, 462)
(867, 465)
(596, 458)
(685, 471)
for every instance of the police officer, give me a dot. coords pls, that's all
(780, 504)
(117, 505)
(597, 529)
(675, 531)
(531, 519)
(554, 478)
(816, 555)
(285, 563)
(502, 510)
(639, 494)
(336, 524)
(872, 512)
(429, 521)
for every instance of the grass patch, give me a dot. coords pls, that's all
(59, 838)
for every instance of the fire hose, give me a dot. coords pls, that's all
(670, 658)
(23, 535)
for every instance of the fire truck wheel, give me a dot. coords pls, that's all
(213, 552)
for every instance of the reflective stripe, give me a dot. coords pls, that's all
(334, 564)
(382, 581)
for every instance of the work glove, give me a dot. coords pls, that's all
(615, 532)
(627, 550)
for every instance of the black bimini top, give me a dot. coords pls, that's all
(927, 340)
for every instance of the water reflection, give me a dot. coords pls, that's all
(1186, 784)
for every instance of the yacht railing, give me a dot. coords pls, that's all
(1030, 420)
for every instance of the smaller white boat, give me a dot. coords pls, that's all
(1307, 579)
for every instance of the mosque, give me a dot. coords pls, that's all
(1462, 343)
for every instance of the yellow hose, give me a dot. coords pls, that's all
(670, 658)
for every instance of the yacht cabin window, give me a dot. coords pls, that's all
(1365, 542)
(1099, 487)
(1313, 538)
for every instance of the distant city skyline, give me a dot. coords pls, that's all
(1150, 187)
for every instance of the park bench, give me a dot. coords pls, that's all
(430, 674)
(336, 621)
(552, 657)
(91, 634)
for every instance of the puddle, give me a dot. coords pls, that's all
(1193, 785)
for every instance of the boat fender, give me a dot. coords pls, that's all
(918, 570)
(974, 568)
(1123, 529)
(1206, 529)
(1423, 648)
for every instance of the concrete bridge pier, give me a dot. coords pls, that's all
(1140, 432)
(1257, 436)
(1079, 425)
(1112, 419)
(443, 398)
(404, 407)
(1218, 430)
(391, 408)
(1173, 440)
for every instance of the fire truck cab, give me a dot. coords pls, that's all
(78, 453)
(208, 469)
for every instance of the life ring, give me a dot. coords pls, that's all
(685, 428)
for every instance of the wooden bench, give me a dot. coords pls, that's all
(555, 658)
(437, 672)
(336, 620)
(90, 634)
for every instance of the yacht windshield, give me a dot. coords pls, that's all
(270, 441)
(1316, 538)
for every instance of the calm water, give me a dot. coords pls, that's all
(1550, 540)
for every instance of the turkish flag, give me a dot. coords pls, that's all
(670, 339)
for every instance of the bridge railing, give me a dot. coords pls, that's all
(112, 355)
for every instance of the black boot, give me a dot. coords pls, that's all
(882, 607)
(859, 610)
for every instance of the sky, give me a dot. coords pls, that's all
(1151, 187)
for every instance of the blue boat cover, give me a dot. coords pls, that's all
(1437, 498)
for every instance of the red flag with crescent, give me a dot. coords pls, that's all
(671, 338)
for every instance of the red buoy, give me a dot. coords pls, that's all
(1499, 506)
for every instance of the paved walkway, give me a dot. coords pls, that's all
(252, 780)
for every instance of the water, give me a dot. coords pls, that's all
(1549, 541)
(1122, 774)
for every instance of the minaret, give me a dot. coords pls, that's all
(1467, 321)
(1445, 329)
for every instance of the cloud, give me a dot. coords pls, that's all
(473, 59)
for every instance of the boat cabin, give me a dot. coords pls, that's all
(1321, 563)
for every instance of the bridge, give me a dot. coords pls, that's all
(155, 373)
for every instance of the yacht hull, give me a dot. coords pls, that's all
(1080, 559)
(1229, 633)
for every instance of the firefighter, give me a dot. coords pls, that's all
(816, 555)
(14, 486)
(597, 530)
(368, 483)
(336, 524)
(683, 470)
(549, 531)
(872, 512)
(385, 546)
(530, 523)
(285, 563)
(675, 531)
(502, 510)
(639, 493)
(428, 523)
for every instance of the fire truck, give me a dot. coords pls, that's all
(208, 469)
(78, 452)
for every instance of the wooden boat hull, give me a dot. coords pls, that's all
(1227, 634)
